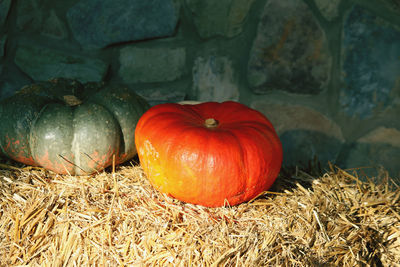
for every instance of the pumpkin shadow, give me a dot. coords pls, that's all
(7, 162)
(129, 163)
(303, 174)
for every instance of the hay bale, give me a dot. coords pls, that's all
(117, 218)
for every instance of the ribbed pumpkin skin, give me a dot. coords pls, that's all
(38, 128)
(233, 162)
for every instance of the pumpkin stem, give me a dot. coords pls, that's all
(72, 100)
(211, 123)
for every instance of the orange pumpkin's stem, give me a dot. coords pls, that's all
(211, 123)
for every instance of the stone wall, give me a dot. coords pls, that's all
(326, 72)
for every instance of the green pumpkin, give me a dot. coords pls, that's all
(69, 127)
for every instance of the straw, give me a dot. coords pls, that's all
(116, 218)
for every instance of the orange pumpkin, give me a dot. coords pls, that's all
(209, 154)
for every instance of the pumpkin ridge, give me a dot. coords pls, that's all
(271, 141)
(243, 161)
(43, 142)
(74, 143)
(32, 125)
(227, 186)
(121, 133)
(178, 155)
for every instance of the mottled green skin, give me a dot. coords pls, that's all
(39, 128)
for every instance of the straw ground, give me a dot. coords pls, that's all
(116, 218)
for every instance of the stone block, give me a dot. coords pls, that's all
(222, 17)
(170, 93)
(214, 79)
(42, 63)
(371, 65)
(114, 21)
(54, 27)
(159, 64)
(11, 84)
(328, 8)
(377, 149)
(305, 133)
(290, 51)
(3, 41)
(7, 89)
(30, 15)
(4, 8)
(287, 117)
(382, 134)
(302, 146)
(33, 16)
(393, 5)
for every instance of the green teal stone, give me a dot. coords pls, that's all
(159, 95)
(110, 22)
(222, 17)
(214, 79)
(290, 52)
(30, 15)
(302, 146)
(158, 64)
(371, 65)
(36, 16)
(378, 149)
(11, 83)
(54, 27)
(328, 8)
(4, 8)
(393, 5)
(3, 41)
(41, 63)
(369, 159)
